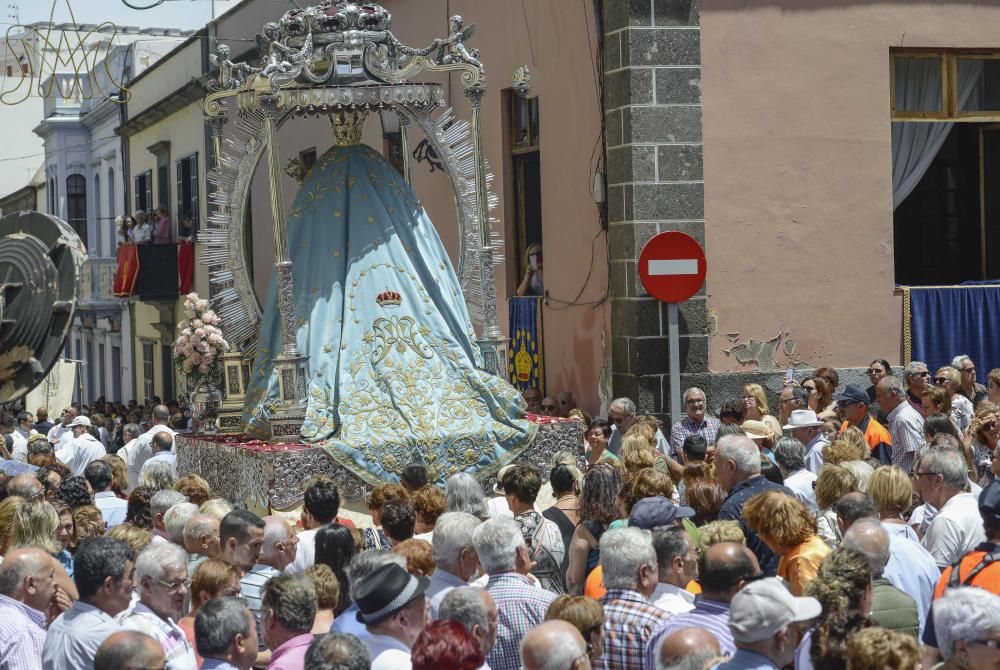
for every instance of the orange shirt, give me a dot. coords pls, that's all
(988, 578)
(875, 433)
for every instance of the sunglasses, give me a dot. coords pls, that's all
(941, 380)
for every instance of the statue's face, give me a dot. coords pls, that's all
(223, 50)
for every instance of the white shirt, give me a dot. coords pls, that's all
(814, 453)
(57, 431)
(113, 508)
(179, 652)
(167, 457)
(74, 637)
(305, 553)
(143, 232)
(141, 452)
(801, 483)
(961, 412)
(387, 653)
(955, 531)
(672, 599)
(20, 438)
(126, 455)
(80, 452)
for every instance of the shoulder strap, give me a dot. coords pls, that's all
(985, 562)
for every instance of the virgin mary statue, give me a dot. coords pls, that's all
(394, 371)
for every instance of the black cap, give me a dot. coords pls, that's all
(853, 392)
(386, 591)
(989, 501)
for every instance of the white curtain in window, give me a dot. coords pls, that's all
(915, 144)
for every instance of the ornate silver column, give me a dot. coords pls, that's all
(288, 416)
(492, 342)
(404, 145)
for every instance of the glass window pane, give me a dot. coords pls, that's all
(978, 85)
(918, 84)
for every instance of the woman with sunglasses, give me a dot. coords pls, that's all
(982, 437)
(950, 380)
(820, 397)
(877, 369)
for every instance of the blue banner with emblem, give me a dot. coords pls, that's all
(941, 322)
(525, 359)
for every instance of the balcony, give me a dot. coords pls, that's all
(157, 277)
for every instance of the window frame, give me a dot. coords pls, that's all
(949, 78)
(76, 204)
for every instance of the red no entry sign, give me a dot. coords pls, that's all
(672, 266)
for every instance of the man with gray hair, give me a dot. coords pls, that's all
(940, 478)
(967, 622)
(917, 377)
(891, 608)
(142, 450)
(969, 388)
(226, 635)
(162, 577)
(25, 485)
(454, 556)
(276, 554)
(697, 421)
(521, 604)
(362, 565)
(473, 608)
(201, 539)
(27, 593)
(621, 416)
(905, 424)
(791, 457)
(554, 645)
(737, 467)
(677, 565)
(630, 575)
(176, 518)
(159, 504)
(337, 651)
(288, 608)
(162, 451)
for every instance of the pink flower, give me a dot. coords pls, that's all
(196, 358)
(199, 333)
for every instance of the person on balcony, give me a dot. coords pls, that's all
(163, 228)
(143, 229)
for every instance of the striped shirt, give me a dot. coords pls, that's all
(520, 607)
(22, 635)
(250, 587)
(906, 427)
(173, 641)
(708, 428)
(629, 621)
(711, 615)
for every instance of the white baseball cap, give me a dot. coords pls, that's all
(764, 607)
(80, 421)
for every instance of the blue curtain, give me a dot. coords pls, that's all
(944, 322)
(525, 360)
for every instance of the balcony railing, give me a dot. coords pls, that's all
(156, 279)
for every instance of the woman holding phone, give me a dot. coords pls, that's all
(532, 283)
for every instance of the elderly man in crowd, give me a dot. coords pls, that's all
(276, 554)
(630, 575)
(60, 434)
(159, 504)
(554, 645)
(906, 425)
(790, 454)
(687, 648)
(288, 608)
(677, 565)
(791, 398)
(392, 606)
(25, 485)
(176, 519)
(621, 416)
(852, 406)
(805, 427)
(891, 608)
(82, 449)
(697, 421)
(940, 478)
(241, 537)
(42, 423)
(226, 635)
(140, 452)
(917, 377)
(723, 570)
(113, 508)
(129, 650)
(969, 388)
(28, 593)
(761, 620)
(201, 539)
(161, 573)
(337, 651)
(473, 608)
(362, 565)
(520, 604)
(967, 621)
(454, 556)
(161, 451)
(737, 467)
(103, 572)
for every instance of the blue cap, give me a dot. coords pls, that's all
(657, 511)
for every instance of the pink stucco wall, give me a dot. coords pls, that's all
(798, 184)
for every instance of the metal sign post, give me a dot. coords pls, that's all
(672, 268)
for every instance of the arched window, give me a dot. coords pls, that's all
(99, 222)
(112, 205)
(76, 205)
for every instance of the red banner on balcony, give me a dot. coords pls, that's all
(128, 270)
(185, 266)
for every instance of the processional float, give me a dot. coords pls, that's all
(342, 61)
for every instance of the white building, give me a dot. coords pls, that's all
(84, 185)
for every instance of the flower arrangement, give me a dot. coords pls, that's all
(200, 345)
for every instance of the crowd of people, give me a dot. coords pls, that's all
(154, 227)
(854, 528)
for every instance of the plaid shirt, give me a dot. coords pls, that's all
(179, 652)
(520, 607)
(708, 427)
(22, 635)
(906, 427)
(710, 615)
(629, 621)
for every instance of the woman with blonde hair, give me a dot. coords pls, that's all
(950, 379)
(130, 535)
(635, 453)
(119, 474)
(8, 509)
(88, 522)
(856, 438)
(877, 648)
(35, 525)
(587, 616)
(787, 526)
(533, 282)
(327, 595)
(213, 578)
(892, 492)
(981, 438)
(833, 482)
(756, 408)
